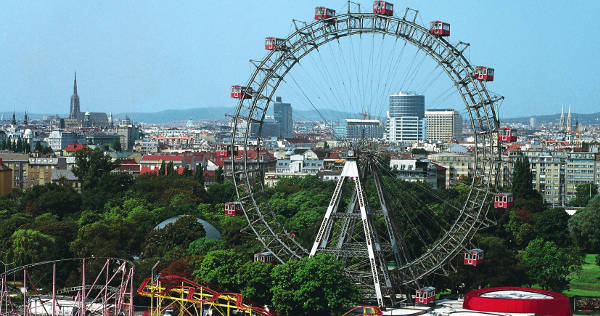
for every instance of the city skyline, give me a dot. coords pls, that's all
(149, 63)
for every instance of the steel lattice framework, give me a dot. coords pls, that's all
(479, 103)
(108, 292)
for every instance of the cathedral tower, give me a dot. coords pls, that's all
(75, 112)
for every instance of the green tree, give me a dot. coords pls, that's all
(522, 179)
(521, 226)
(11, 221)
(418, 151)
(58, 199)
(91, 165)
(187, 172)
(30, 246)
(549, 265)
(312, 286)
(116, 145)
(255, 281)
(219, 267)
(174, 235)
(162, 170)
(199, 175)
(202, 246)
(219, 176)
(584, 193)
(501, 267)
(161, 190)
(553, 225)
(170, 169)
(107, 238)
(19, 146)
(583, 226)
(221, 192)
(110, 188)
(63, 232)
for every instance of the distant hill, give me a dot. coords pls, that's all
(166, 116)
(218, 113)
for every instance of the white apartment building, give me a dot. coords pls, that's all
(443, 125)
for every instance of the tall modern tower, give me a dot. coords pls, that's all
(75, 111)
(405, 117)
(283, 116)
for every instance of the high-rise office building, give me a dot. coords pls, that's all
(283, 116)
(443, 125)
(363, 129)
(405, 117)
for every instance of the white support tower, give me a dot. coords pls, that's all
(370, 270)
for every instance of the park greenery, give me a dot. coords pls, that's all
(116, 215)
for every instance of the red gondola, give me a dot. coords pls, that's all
(474, 257)
(383, 7)
(273, 43)
(234, 208)
(239, 92)
(265, 257)
(322, 13)
(503, 200)
(439, 28)
(483, 73)
(507, 135)
(425, 295)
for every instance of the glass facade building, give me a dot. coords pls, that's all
(407, 104)
(283, 116)
(405, 118)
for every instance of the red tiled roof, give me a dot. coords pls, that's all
(335, 155)
(251, 154)
(131, 167)
(75, 147)
(438, 167)
(219, 162)
(148, 170)
(299, 141)
(162, 157)
(128, 161)
(514, 147)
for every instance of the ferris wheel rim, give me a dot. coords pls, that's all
(476, 98)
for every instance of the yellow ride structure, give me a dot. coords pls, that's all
(178, 296)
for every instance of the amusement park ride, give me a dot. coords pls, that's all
(375, 255)
(349, 232)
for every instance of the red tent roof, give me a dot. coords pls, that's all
(518, 300)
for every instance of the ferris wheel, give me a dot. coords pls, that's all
(379, 254)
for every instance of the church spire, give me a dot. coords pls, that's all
(75, 84)
(562, 119)
(75, 111)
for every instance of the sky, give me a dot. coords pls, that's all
(147, 56)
